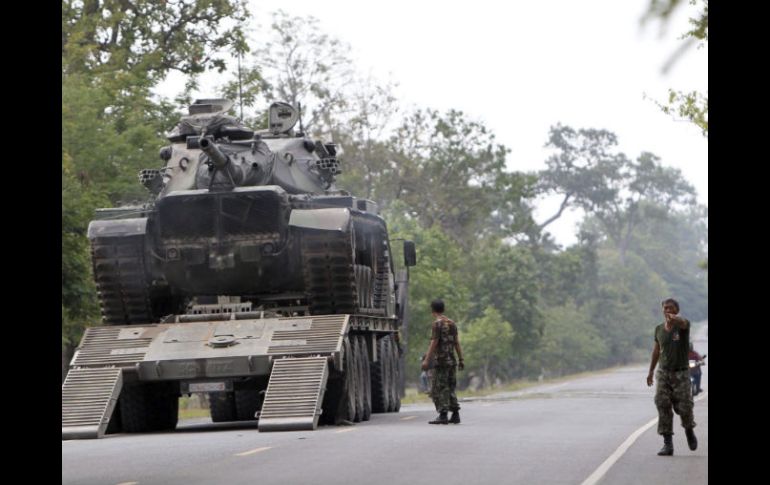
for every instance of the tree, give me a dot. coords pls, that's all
(113, 53)
(690, 105)
(505, 277)
(436, 275)
(149, 37)
(451, 172)
(617, 191)
(300, 64)
(486, 343)
(570, 341)
(675, 248)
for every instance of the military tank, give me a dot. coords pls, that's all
(250, 277)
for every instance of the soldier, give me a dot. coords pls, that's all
(673, 392)
(444, 341)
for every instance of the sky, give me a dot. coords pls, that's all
(521, 67)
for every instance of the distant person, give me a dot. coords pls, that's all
(695, 372)
(673, 392)
(444, 342)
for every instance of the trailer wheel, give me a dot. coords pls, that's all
(222, 406)
(396, 378)
(348, 404)
(247, 403)
(116, 425)
(150, 406)
(332, 397)
(380, 379)
(366, 375)
(358, 350)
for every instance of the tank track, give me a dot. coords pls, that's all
(331, 277)
(120, 278)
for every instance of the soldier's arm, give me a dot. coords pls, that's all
(654, 362)
(458, 348)
(680, 322)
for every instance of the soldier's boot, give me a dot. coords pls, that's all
(692, 441)
(440, 419)
(668, 446)
(455, 419)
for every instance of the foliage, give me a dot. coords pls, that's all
(693, 106)
(571, 343)
(487, 343)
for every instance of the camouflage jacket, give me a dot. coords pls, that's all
(445, 331)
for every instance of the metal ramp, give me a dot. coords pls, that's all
(294, 394)
(88, 399)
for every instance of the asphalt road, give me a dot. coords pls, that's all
(584, 431)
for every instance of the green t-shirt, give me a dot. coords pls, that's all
(674, 347)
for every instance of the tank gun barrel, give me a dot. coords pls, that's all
(211, 149)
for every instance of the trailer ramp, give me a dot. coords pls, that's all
(88, 399)
(294, 394)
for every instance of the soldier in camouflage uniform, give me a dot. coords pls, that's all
(444, 341)
(673, 392)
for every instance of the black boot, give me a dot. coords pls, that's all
(692, 441)
(440, 419)
(455, 419)
(668, 446)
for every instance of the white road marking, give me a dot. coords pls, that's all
(255, 450)
(345, 430)
(407, 418)
(128, 483)
(604, 467)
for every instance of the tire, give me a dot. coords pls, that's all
(330, 407)
(396, 395)
(222, 407)
(347, 405)
(366, 374)
(247, 403)
(379, 379)
(359, 381)
(116, 424)
(390, 371)
(149, 407)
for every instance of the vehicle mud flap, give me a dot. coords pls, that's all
(294, 394)
(89, 396)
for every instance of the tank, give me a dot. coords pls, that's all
(253, 215)
(248, 277)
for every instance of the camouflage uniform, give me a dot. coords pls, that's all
(673, 392)
(445, 370)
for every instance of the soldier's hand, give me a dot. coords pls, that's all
(461, 365)
(649, 379)
(425, 364)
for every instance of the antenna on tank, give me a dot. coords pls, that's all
(301, 130)
(240, 89)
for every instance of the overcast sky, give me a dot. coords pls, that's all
(522, 66)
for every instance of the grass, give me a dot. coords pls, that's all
(192, 413)
(413, 396)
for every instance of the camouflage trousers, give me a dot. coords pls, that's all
(673, 394)
(443, 389)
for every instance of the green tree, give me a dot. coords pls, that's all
(451, 172)
(570, 341)
(299, 63)
(505, 277)
(692, 105)
(486, 344)
(436, 275)
(113, 53)
(617, 191)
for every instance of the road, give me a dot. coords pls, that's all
(583, 431)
